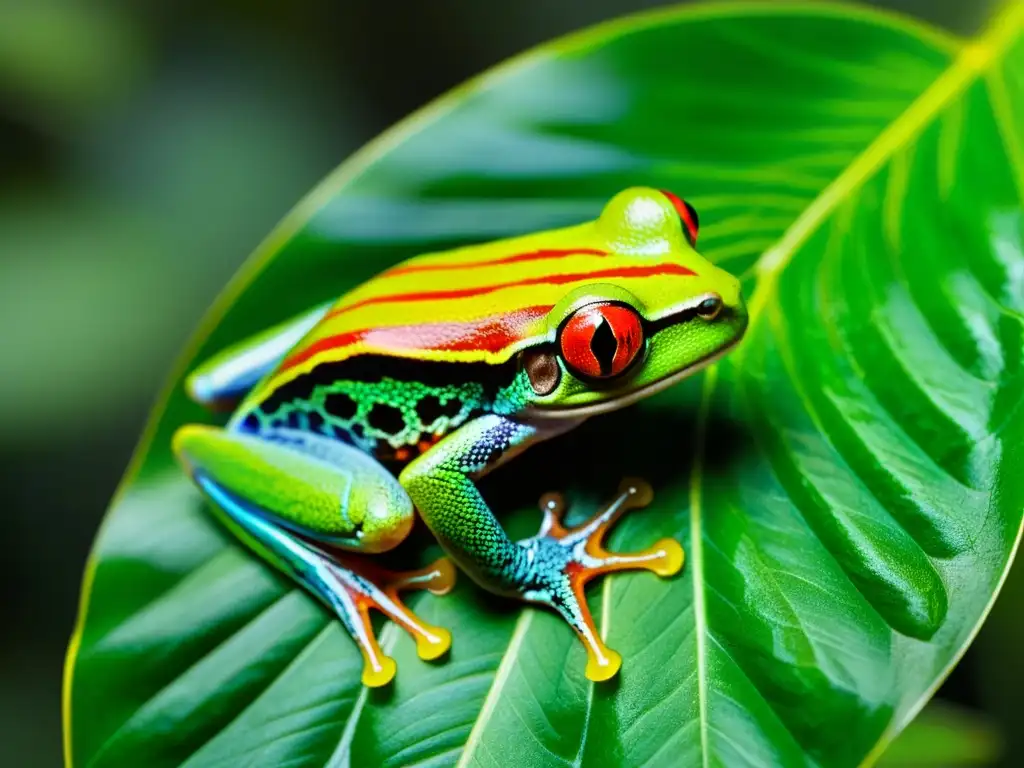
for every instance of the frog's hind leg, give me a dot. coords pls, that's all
(349, 587)
(295, 504)
(564, 560)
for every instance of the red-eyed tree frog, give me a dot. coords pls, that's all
(402, 393)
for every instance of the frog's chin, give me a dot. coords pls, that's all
(594, 409)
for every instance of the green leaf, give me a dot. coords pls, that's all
(944, 736)
(848, 484)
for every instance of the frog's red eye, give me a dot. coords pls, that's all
(687, 216)
(601, 340)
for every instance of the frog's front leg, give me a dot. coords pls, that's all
(295, 497)
(550, 568)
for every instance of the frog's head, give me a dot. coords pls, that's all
(617, 340)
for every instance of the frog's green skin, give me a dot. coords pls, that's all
(409, 388)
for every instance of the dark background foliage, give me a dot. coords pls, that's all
(146, 146)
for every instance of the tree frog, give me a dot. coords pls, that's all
(400, 395)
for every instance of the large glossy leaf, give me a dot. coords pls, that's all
(849, 484)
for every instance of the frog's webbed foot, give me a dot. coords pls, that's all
(561, 561)
(348, 584)
(356, 586)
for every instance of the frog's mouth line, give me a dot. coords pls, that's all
(586, 411)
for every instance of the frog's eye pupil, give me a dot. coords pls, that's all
(687, 217)
(601, 340)
(709, 308)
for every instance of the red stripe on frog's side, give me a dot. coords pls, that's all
(491, 334)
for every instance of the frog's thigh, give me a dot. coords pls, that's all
(310, 484)
(268, 492)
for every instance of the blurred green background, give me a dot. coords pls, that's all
(146, 146)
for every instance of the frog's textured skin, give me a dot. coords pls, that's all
(409, 388)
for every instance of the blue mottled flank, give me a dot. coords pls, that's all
(382, 417)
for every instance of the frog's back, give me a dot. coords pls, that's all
(412, 354)
(479, 304)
